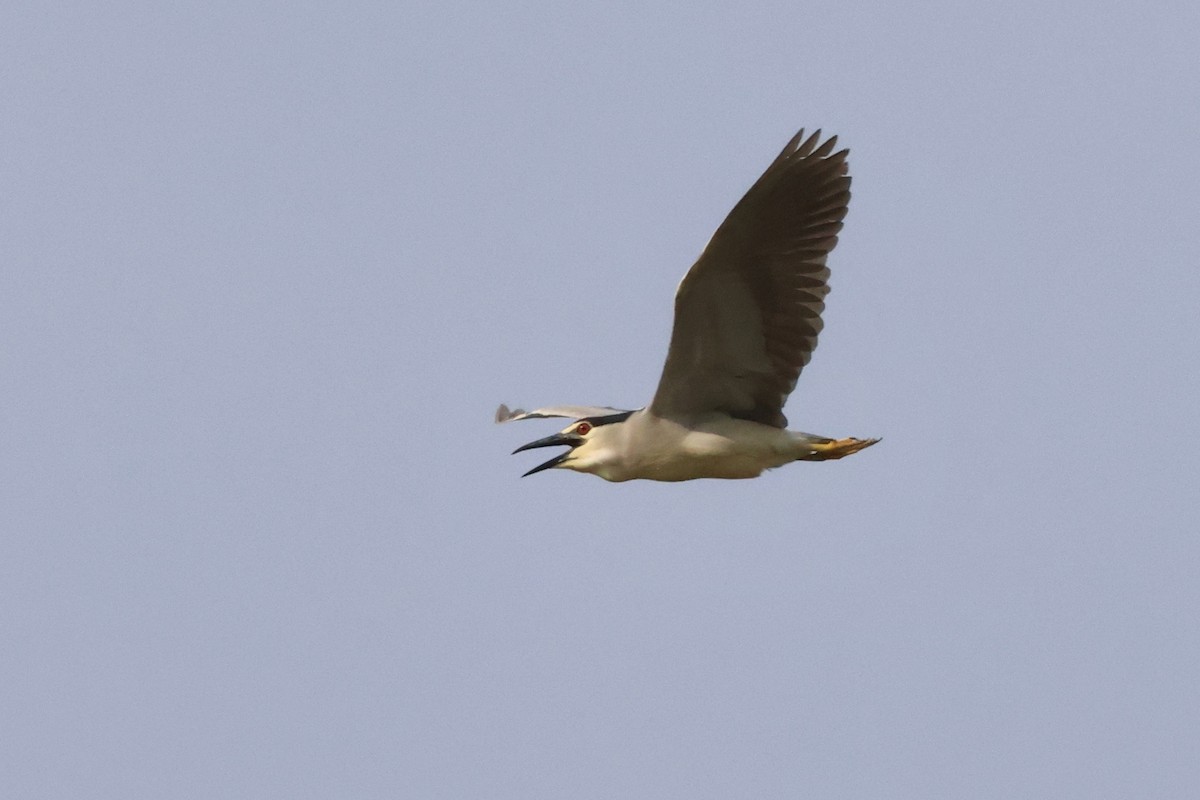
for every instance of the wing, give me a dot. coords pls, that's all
(504, 414)
(748, 312)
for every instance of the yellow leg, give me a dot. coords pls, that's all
(836, 448)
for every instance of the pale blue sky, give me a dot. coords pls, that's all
(268, 270)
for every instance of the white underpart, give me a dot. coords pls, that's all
(712, 446)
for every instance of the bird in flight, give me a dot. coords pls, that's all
(747, 315)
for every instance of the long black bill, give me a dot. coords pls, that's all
(550, 441)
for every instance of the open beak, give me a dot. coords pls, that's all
(568, 439)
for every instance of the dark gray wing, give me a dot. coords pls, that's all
(748, 312)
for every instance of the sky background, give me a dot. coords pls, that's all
(266, 271)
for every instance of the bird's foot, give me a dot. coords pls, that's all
(836, 448)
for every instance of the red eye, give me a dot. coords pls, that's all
(583, 428)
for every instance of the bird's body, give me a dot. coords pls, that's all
(747, 317)
(662, 449)
(710, 446)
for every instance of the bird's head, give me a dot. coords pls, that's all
(592, 442)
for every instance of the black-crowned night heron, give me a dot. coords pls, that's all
(747, 316)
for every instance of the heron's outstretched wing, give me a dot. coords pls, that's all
(504, 414)
(748, 312)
